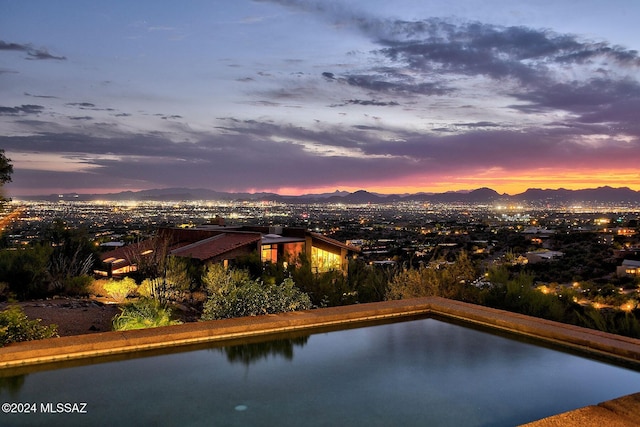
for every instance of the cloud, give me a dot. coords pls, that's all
(13, 46)
(32, 53)
(477, 124)
(536, 72)
(22, 109)
(40, 96)
(81, 104)
(372, 102)
(246, 154)
(367, 102)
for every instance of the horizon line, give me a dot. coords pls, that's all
(310, 193)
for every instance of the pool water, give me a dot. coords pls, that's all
(415, 373)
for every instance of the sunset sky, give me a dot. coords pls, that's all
(295, 96)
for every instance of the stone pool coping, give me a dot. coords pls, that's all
(594, 343)
(618, 349)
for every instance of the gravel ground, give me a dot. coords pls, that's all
(74, 316)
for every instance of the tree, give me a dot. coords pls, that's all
(6, 169)
(25, 270)
(439, 278)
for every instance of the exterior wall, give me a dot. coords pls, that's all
(232, 255)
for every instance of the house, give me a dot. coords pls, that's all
(628, 268)
(543, 256)
(224, 244)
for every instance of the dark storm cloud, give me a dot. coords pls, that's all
(22, 109)
(32, 53)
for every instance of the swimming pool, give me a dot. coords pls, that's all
(419, 372)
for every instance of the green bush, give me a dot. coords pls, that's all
(119, 290)
(15, 326)
(144, 313)
(233, 294)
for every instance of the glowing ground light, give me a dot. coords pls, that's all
(241, 408)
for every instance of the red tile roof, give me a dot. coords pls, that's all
(216, 245)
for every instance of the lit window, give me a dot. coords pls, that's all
(270, 253)
(323, 261)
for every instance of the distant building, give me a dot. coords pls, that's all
(224, 244)
(620, 231)
(628, 268)
(543, 256)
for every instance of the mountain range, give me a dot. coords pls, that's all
(478, 196)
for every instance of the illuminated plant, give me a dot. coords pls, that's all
(233, 294)
(15, 326)
(145, 313)
(119, 290)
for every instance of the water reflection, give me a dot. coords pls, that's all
(253, 352)
(12, 385)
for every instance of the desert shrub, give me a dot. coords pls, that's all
(439, 278)
(77, 285)
(15, 326)
(119, 290)
(97, 289)
(25, 271)
(233, 294)
(144, 313)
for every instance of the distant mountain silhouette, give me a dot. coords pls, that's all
(479, 196)
(601, 194)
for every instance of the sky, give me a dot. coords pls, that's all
(296, 96)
